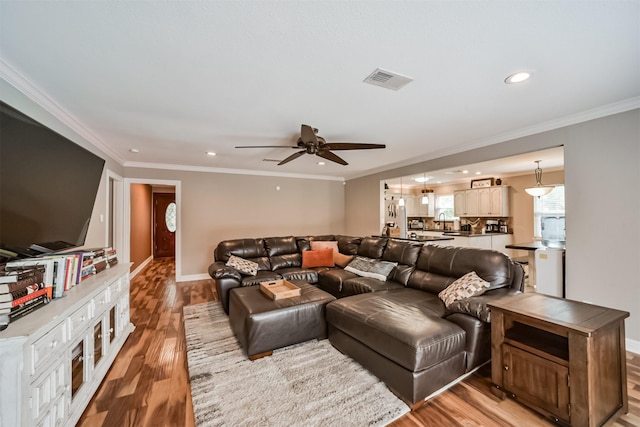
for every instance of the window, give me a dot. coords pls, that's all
(444, 205)
(549, 206)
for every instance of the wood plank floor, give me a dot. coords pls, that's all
(148, 384)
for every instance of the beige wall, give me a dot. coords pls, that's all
(217, 206)
(141, 224)
(602, 178)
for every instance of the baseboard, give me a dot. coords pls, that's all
(141, 266)
(192, 277)
(633, 346)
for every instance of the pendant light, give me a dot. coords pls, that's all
(401, 201)
(425, 198)
(539, 189)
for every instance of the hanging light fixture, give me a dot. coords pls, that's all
(539, 189)
(425, 198)
(401, 201)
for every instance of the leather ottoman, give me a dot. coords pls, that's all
(262, 325)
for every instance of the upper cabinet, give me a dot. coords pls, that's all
(491, 201)
(465, 203)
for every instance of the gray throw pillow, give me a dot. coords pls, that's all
(367, 267)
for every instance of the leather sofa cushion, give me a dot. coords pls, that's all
(348, 245)
(309, 275)
(262, 276)
(404, 325)
(439, 266)
(361, 285)
(249, 249)
(372, 247)
(401, 252)
(283, 252)
(331, 280)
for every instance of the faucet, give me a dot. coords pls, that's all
(444, 220)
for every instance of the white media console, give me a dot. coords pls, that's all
(53, 360)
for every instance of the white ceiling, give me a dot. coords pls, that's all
(175, 79)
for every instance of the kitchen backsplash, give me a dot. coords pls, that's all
(477, 225)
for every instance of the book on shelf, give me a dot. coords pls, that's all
(45, 263)
(23, 301)
(19, 293)
(12, 276)
(29, 306)
(37, 278)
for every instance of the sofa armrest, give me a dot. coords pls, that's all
(477, 306)
(219, 270)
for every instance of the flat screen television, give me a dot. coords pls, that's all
(48, 186)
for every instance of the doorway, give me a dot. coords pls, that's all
(164, 225)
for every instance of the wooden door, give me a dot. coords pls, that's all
(537, 382)
(164, 225)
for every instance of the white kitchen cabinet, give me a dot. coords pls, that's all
(465, 203)
(482, 202)
(410, 205)
(53, 360)
(493, 201)
(428, 210)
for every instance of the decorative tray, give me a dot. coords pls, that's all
(279, 289)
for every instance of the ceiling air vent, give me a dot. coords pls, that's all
(387, 79)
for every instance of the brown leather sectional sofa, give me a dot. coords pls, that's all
(398, 329)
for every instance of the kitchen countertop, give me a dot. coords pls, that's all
(532, 246)
(470, 234)
(420, 238)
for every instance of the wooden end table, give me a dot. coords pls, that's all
(562, 358)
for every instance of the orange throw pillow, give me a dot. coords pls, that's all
(319, 258)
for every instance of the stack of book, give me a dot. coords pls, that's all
(21, 292)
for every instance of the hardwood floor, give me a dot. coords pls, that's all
(148, 384)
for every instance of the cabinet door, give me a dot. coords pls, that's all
(460, 203)
(471, 201)
(410, 205)
(484, 202)
(536, 381)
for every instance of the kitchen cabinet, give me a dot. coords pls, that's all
(427, 210)
(564, 359)
(482, 202)
(410, 205)
(493, 201)
(465, 203)
(53, 360)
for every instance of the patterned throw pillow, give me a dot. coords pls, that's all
(243, 265)
(367, 267)
(469, 285)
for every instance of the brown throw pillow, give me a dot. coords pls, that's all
(318, 258)
(469, 285)
(341, 259)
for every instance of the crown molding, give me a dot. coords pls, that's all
(165, 166)
(571, 119)
(12, 76)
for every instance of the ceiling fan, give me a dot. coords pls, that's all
(311, 143)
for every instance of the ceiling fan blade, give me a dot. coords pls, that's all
(292, 157)
(352, 146)
(307, 134)
(266, 146)
(330, 156)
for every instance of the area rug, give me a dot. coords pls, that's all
(310, 384)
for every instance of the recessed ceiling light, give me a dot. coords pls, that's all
(210, 153)
(321, 163)
(465, 171)
(478, 173)
(518, 77)
(134, 150)
(422, 178)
